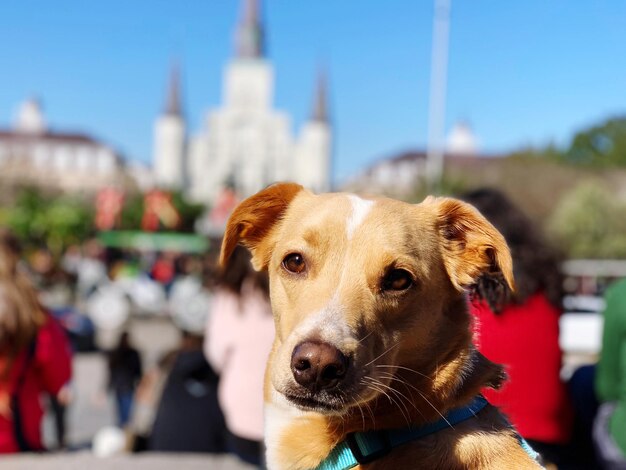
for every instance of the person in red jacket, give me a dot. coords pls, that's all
(34, 354)
(520, 330)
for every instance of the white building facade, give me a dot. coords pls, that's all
(402, 175)
(245, 143)
(31, 154)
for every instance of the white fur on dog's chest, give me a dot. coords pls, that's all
(278, 416)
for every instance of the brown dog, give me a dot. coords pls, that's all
(373, 332)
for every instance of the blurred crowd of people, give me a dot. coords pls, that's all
(200, 397)
(576, 423)
(195, 398)
(206, 395)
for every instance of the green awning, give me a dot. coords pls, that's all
(154, 241)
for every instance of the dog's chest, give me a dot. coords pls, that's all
(295, 439)
(277, 421)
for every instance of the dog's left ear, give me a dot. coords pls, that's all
(471, 246)
(253, 219)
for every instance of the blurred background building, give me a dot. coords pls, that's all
(32, 154)
(404, 175)
(244, 144)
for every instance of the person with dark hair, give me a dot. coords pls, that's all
(238, 340)
(124, 373)
(35, 356)
(521, 329)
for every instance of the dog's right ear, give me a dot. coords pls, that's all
(254, 218)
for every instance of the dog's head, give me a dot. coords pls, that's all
(362, 287)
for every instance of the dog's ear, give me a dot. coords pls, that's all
(471, 246)
(254, 218)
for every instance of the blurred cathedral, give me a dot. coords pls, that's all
(245, 144)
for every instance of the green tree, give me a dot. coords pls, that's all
(68, 221)
(132, 212)
(603, 145)
(590, 223)
(56, 221)
(188, 211)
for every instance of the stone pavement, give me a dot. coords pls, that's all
(145, 461)
(92, 407)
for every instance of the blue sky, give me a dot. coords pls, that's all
(526, 72)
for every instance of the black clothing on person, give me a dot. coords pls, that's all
(188, 417)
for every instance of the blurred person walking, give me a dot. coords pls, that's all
(91, 270)
(35, 355)
(610, 382)
(188, 416)
(124, 373)
(521, 331)
(58, 405)
(54, 285)
(238, 340)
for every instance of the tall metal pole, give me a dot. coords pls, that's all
(437, 101)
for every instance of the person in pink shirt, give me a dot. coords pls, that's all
(238, 340)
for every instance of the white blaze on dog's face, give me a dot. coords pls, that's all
(357, 285)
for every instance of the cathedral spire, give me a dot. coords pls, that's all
(173, 105)
(249, 41)
(320, 98)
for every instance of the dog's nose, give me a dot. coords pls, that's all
(318, 365)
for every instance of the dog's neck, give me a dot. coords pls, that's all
(417, 394)
(415, 398)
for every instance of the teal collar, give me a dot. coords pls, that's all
(365, 447)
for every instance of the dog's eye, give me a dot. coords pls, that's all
(294, 263)
(397, 279)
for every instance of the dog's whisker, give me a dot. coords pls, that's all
(435, 408)
(406, 384)
(403, 368)
(365, 337)
(429, 403)
(334, 428)
(343, 400)
(380, 387)
(374, 387)
(360, 408)
(426, 400)
(390, 376)
(401, 398)
(362, 416)
(368, 407)
(381, 391)
(400, 381)
(367, 404)
(378, 357)
(371, 412)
